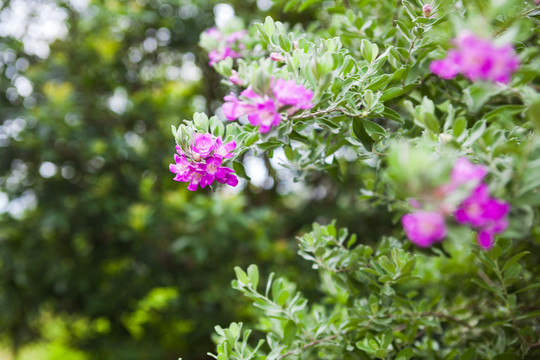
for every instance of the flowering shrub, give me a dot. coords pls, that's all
(263, 110)
(456, 158)
(487, 215)
(200, 156)
(222, 45)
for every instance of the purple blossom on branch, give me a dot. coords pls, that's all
(483, 213)
(465, 172)
(264, 110)
(424, 228)
(201, 164)
(227, 45)
(477, 59)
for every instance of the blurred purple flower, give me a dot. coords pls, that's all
(264, 110)
(265, 115)
(477, 59)
(465, 172)
(424, 228)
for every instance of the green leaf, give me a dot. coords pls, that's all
(289, 332)
(487, 287)
(529, 315)
(403, 29)
(240, 170)
(380, 354)
(290, 5)
(459, 126)
(387, 338)
(387, 265)
(515, 259)
(359, 132)
(476, 133)
(470, 354)
(373, 304)
(241, 275)
(507, 356)
(505, 111)
(366, 50)
(253, 274)
(282, 297)
(394, 92)
(379, 82)
(373, 129)
(307, 4)
(512, 271)
(432, 123)
(269, 26)
(251, 138)
(392, 115)
(405, 354)
(262, 32)
(285, 42)
(530, 287)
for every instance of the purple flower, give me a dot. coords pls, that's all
(264, 110)
(236, 36)
(235, 78)
(224, 150)
(211, 168)
(447, 68)
(265, 115)
(480, 210)
(465, 172)
(203, 164)
(195, 177)
(477, 59)
(427, 9)
(487, 214)
(203, 145)
(424, 228)
(486, 239)
(182, 168)
(233, 107)
(213, 32)
(179, 150)
(292, 94)
(216, 56)
(225, 175)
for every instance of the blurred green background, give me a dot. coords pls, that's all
(102, 254)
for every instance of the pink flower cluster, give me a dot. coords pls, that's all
(226, 45)
(477, 59)
(201, 164)
(263, 110)
(485, 214)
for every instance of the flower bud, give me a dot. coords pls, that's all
(445, 138)
(277, 57)
(235, 78)
(427, 9)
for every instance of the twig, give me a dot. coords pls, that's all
(308, 345)
(507, 300)
(486, 278)
(327, 111)
(503, 29)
